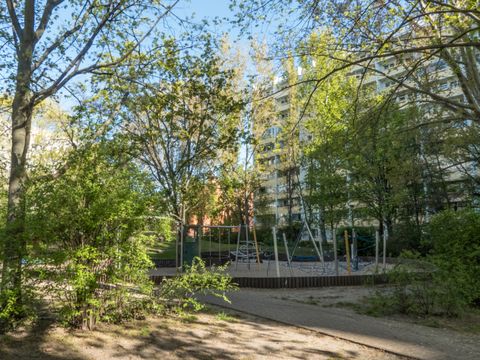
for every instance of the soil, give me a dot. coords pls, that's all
(207, 336)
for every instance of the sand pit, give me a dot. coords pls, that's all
(296, 269)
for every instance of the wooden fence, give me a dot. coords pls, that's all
(301, 281)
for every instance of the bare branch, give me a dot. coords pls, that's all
(14, 19)
(47, 13)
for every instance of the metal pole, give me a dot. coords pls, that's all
(275, 250)
(335, 255)
(319, 254)
(288, 253)
(385, 235)
(248, 245)
(320, 244)
(238, 246)
(181, 237)
(377, 243)
(256, 245)
(347, 249)
(355, 250)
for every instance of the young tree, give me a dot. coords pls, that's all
(181, 114)
(263, 118)
(329, 114)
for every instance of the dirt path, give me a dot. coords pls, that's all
(299, 307)
(207, 337)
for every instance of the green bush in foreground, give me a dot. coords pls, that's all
(180, 292)
(446, 281)
(455, 238)
(86, 247)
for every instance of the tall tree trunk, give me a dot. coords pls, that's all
(15, 241)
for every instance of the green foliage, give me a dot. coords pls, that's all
(417, 289)
(446, 281)
(455, 239)
(86, 243)
(183, 113)
(407, 236)
(223, 316)
(12, 310)
(180, 292)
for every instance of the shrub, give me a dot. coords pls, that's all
(86, 243)
(180, 292)
(446, 281)
(406, 236)
(455, 239)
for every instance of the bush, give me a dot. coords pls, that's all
(406, 236)
(446, 281)
(179, 293)
(86, 243)
(455, 239)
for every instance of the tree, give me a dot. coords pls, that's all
(358, 154)
(181, 114)
(263, 118)
(420, 53)
(325, 150)
(422, 37)
(52, 42)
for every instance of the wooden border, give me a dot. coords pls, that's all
(300, 282)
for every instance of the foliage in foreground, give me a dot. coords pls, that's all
(180, 292)
(86, 243)
(448, 284)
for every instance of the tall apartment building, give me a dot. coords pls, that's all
(279, 192)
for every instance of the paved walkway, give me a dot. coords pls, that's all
(398, 337)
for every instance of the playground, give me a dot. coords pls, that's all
(247, 252)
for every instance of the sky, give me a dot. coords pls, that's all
(208, 9)
(200, 9)
(205, 8)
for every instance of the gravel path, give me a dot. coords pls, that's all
(398, 337)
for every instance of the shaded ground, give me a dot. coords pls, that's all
(207, 337)
(314, 309)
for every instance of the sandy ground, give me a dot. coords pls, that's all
(267, 269)
(327, 296)
(209, 336)
(318, 310)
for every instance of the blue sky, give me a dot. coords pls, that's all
(208, 9)
(205, 8)
(211, 9)
(200, 9)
